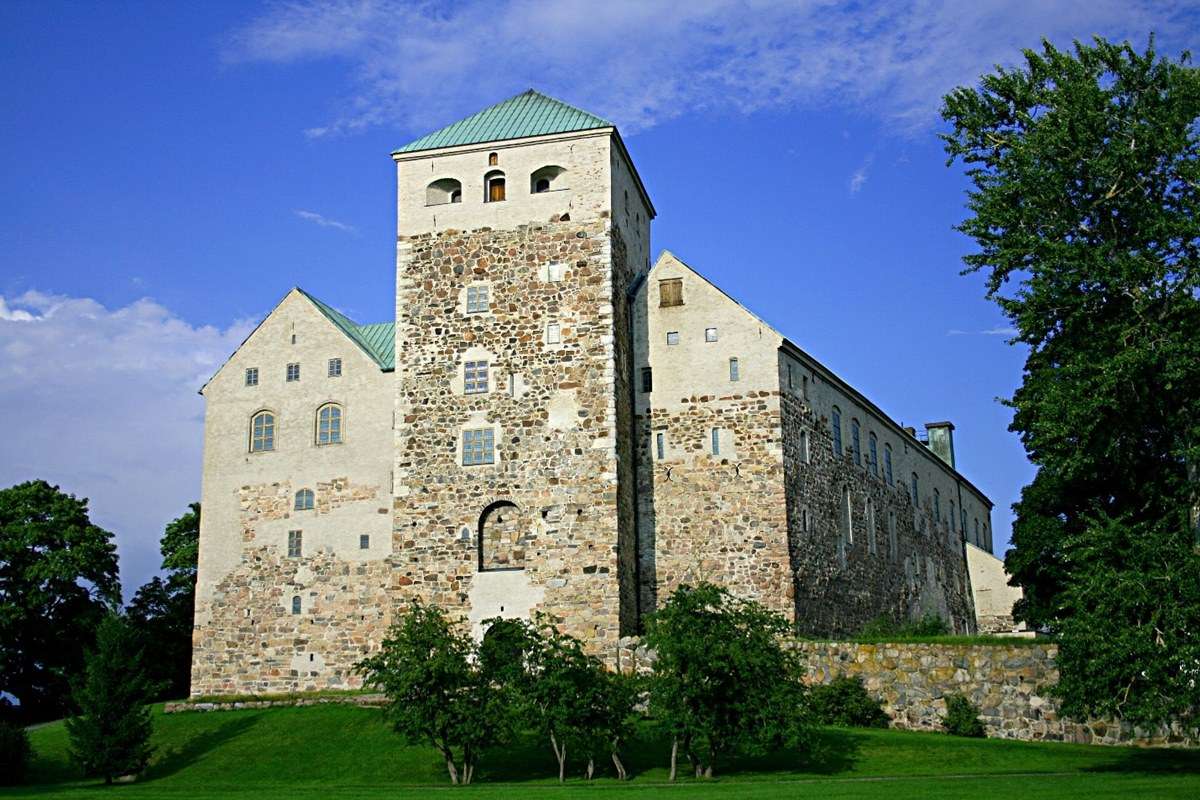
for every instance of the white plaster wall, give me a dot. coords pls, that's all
(585, 187)
(364, 457)
(989, 584)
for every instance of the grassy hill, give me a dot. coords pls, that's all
(339, 751)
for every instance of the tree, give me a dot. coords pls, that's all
(1086, 183)
(58, 575)
(162, 609)
(111, 735)
(437, 693)
(723, 678)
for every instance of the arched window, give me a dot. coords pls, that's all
(937, 505)
(855, 443)
(493, 186)
(835, 423)
(296, 604)
(493, 159)
(502, 537)
(916, 491)
(873, 452)
(329, 424)
(442, 191)
(547, 179)
(887, 464)
(304, 500)
(262, 432)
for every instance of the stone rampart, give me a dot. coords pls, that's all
(1007, 682)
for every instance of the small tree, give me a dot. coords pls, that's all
(14, 753)
(111, 735)
(612, 717)
(962, 717)
(437, 692)
(845, 702)
(723, 678)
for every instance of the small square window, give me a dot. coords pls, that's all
(670, 292)
(554, 272)
(295, 544)
(335, 368)
(672, 338)
(553, 333)
(647, 379)
(364, 541)
(475, 377)
(710, 334)
(478, 447)
(252, 376)
(477, 299)
(293, 372)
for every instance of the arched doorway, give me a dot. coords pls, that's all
(502, 537)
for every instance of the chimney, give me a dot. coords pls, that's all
(911, 431)
(941, 440)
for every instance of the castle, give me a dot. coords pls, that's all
(551, 423)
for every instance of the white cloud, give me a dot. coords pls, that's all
(104, 403)
(996, 331)
(640, 62)
(859, 178)
(323, 221)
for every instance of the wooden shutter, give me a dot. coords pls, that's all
(670, 292)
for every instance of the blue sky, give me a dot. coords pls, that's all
(169, 170)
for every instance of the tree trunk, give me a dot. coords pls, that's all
(449, 756)
(561, 755)
(591, 767)
(616, 757)
(674, 755)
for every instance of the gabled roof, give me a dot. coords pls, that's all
(530, 113)
(378, 340)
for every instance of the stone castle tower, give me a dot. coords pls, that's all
(516, 250)
(550, 424)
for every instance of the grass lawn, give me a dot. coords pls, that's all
(338, 751)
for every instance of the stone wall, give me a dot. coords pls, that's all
(551, 405)
(1007, 682)
(860, 548)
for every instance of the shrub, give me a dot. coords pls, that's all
(962, 717)
(14, 753)
(845, 702)
(883, 627)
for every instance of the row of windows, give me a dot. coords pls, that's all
(295, 543)
(735, 374)
(333, 370)
(715, 437)
(710, 335)
(327, 428)
(495, 185)
(835, 424)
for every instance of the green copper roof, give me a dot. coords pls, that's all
(377, 340)
(528, 114)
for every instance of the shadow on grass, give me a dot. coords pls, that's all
(531, 758)
(171, 760)
(1130, 759)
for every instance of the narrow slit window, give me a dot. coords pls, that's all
(660, 445)
(716, 441)
(296, 604)
(916, 491)
(835, 423)
(647, 379)
(734, 373)
(887, 464)
(855, 443)
(873, 453)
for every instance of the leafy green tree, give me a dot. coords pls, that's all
(437, 692)
(611, 718)
(844, 701)
(111, 735)
(58, 575)
(1085, 172)
(162, 609)
(15, 753)
(723, 678)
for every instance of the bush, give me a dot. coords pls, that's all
(14, 753)
(962, 717)
(845, 702)
(883, 627)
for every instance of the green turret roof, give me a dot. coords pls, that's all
(530, 113)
